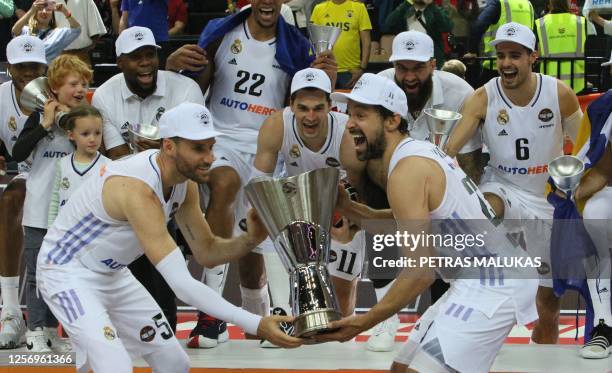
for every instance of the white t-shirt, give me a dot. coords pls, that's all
(449, 93)
(120, 107)
(86, 13)
(40, 179)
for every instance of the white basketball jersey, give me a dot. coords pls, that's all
(298, 158)
(465, 210)
(12, 120)
(248, 86)
(39, 184)
(84, 234)
(523, 140)
(71, 179)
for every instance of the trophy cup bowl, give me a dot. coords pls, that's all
(35, 94)
(145, 131)
(440, 123)
(297, 211)
(323, 38)
(566, 172)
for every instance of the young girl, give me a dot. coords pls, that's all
(84, 126)
(39, 21)
(42, 138)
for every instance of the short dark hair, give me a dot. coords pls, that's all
(309, 89)
(68, 121)
(386, 113)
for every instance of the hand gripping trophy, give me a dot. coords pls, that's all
(297, 211)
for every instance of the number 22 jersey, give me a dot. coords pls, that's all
(248, 86)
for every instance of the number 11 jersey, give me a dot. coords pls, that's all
(522, 140)
(248, 86)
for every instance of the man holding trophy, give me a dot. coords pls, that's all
(465, 329)
(308, 136)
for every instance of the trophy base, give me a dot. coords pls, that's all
(315, 322)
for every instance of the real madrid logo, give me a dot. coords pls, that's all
(236, 47)
(289, 188)
(409, 45)
(139, 36)
(109, 333)
(502, 117)
(65, 184)
(309, 77)
(295, 151)
(12, 124)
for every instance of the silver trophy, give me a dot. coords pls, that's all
(440, 123)
(566, 172)
(35, 94)
(297, 211)
(147, 131)
(323, 38)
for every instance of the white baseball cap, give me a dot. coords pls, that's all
(133, 38)
(412, 46)
(188, 121)
(26, 48)
(609, 62)
(373, 89)
(311, 78)
(515, 33)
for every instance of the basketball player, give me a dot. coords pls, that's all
(465, 328)
(307, 136)
(524, 117)
(246, 65)
(121, 214)
(26, 58)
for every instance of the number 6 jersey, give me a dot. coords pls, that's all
(522, 140)
(248, 86)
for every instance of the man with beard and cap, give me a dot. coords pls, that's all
(26, 62)
(463, 330)
(425, 87)
(141, 93)
(121, 214)
(245, 62)
(524, 117)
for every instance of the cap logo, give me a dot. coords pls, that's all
(309, 77)
(410, 45)
(204, 119)
(138, 36)
(27, 47)
(359, 85)
(511, 31)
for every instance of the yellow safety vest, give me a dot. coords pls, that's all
(520, 11)
(563, 35)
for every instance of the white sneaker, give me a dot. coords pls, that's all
(58, 344)
(37, 341)
(383, 335)
(600, 345)
(12, 330)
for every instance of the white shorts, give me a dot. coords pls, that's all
(346, 260)
(455, 337)
(526, 215)
(104, 315)
(227, 155)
